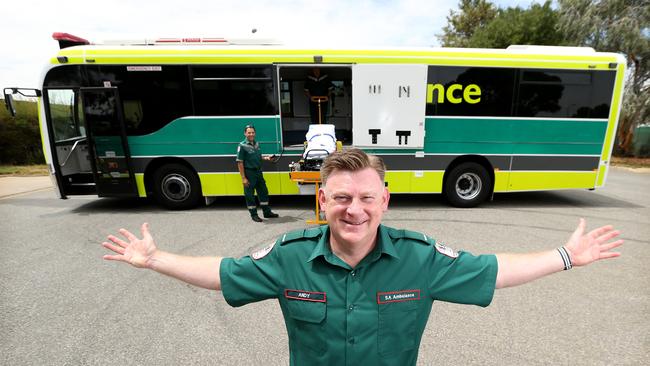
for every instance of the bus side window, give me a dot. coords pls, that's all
(150, 99)
(572, 94)
(132, 113)
(233, 90)
(470, 91)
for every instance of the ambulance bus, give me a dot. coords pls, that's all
(163, 117)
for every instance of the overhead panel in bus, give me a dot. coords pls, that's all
(389, 104)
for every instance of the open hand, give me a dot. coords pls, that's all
(136, 252)
(595, 245)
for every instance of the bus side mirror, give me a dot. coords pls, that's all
(9, 102)
(25, 92)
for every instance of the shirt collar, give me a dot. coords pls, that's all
(322, 248)
(384, 246)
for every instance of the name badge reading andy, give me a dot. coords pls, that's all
(305, 295)
(397, 296)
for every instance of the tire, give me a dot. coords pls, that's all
(176, 187)
(467, 185)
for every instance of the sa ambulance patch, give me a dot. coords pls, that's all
(445, 250)
(259, 254)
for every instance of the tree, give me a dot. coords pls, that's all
(473, 15)
(536, 25)
(480, 24)
(617, 26)
(621, 26)
(20, 140)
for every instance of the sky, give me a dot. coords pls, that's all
(26, 42)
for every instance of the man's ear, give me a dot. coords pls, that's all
(386, 198)
(322, 199)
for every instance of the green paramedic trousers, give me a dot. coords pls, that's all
(256, 184)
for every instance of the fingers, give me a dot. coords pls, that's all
(118, 241)
(581, 227)
(145, 231)
(579, 231)
(127, 234)
(606, 255)
(118, 258)
(597, 233)
(604, 237)
(609, 246)
(115, 248)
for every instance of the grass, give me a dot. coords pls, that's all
(23, 170)
(631, 162)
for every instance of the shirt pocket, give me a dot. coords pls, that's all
(397, 327)
(309, 319)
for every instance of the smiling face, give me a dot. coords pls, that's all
(354, 203)
(250, 134)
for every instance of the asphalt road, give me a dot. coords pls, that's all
(61, 304)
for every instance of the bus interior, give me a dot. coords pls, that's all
(294, 103)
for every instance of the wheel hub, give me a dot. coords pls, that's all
(176, 187)
(468, 186)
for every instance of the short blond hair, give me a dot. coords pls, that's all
(351, 160)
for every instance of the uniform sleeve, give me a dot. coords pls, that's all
(467, 279)
(240, 153)
(247, 280)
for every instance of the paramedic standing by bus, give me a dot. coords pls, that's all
(249, 163)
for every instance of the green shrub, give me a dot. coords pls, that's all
(20, 137)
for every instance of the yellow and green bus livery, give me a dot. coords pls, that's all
(164, 117)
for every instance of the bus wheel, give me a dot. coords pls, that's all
(176, 187)
(467, 185)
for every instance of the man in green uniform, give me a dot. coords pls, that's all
(249, 163)
(355, 292)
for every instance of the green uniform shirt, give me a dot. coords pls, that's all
(374, 314)
(250, 154)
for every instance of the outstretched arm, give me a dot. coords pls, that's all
(143, 253)
(582, 249)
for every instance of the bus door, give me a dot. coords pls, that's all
(110, 157)
(389, 105)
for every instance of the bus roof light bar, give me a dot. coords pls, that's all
(68, 40)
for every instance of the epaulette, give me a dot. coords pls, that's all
(311, 233)
(407, 234)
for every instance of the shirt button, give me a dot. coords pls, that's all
(351, 307)
(353, 273)
(351, 340)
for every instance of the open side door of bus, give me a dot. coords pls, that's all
(107, 141)
(389, 105)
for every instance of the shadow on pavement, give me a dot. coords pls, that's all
(569, 198)
(553, 199)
